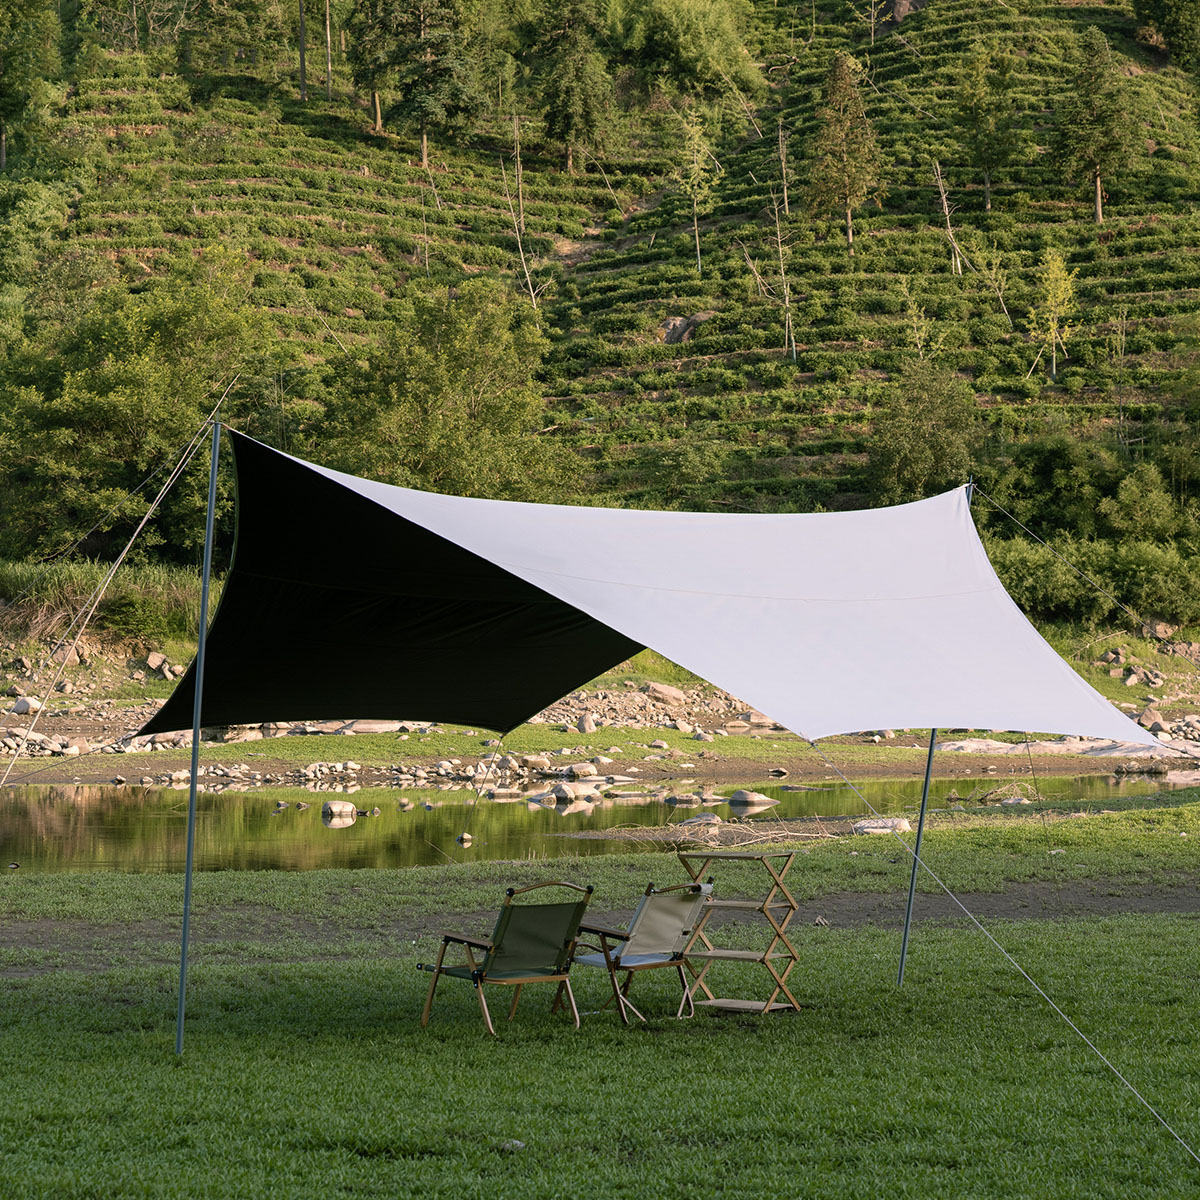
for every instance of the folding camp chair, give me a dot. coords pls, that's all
(657, 937)
(532, 943)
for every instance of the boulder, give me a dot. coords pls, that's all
(883, 825)
(750, 801)
(26, 705)
(586, 723)
(1150, 718)
(664, 693)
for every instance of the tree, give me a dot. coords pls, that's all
(1178, 23)
(1093, 137)
(922, 444)
(303, 49)
(987, 113)
(845, 170)
(423, 49)
(88, 410)
(1049, 319)
(369, 51)
(696, 172)
(447, 400)
(576, 92)
(220, 31)
(695, 46)
(29, 33)
(136, 24)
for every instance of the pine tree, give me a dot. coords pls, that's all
(369, 50)
(429, 70)
(576, 88)
(987, 113)
(1094, 134)
(845, 169)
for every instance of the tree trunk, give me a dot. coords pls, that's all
(136, 43)
(520, 172)
(570, 159)
(328, 55)
(850, 233)
(1099, 201)
(378, 114)
(787, 212)
(987, 192)
(696, 232)
(1053, 355)
(3, 147)
(424, 147)
(303, 49)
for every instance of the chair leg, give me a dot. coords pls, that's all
(616, 991)
(512, 1012)
(487, 1016)
(437, 971)
(624, 1000)
(687, 995)
(566, 983)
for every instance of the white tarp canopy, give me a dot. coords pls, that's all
(828, 623)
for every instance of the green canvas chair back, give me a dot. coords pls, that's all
(663, 920)
(533, 939)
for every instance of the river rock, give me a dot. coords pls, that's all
(746, 799)
(883, 825)
(581, 770)
(26, 705)
(1150, 718)
(664, 693)
(586, 723)
(754, 717)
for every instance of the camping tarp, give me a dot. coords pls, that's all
(351, 598)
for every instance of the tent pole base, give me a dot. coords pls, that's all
(912, 882)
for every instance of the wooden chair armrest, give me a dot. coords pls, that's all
(479, 943)
(604, 931)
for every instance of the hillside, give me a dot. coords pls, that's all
(672, 385)
(791, 435)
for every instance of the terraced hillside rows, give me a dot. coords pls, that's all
(334, 219)
(749, 427)
(673, 384)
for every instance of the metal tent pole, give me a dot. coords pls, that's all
(912, 883)
(199, 690)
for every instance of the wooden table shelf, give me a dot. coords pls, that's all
(777, 907)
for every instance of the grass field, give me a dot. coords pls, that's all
(306, 1072)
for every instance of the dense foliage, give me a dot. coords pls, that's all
(612, 215)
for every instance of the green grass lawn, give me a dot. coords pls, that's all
(313, 1077)
(306, 1072)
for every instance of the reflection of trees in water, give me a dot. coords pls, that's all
(93, 827)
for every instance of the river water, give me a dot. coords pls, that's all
(89, 828)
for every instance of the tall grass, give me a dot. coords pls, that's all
(148, 600)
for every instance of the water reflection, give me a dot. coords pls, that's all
(87, 828)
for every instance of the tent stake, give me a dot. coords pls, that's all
(912, 883)
(191, 826)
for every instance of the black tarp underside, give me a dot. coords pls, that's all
(335, 607)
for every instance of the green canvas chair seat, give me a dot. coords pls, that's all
(657, 937)
(531, 943)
